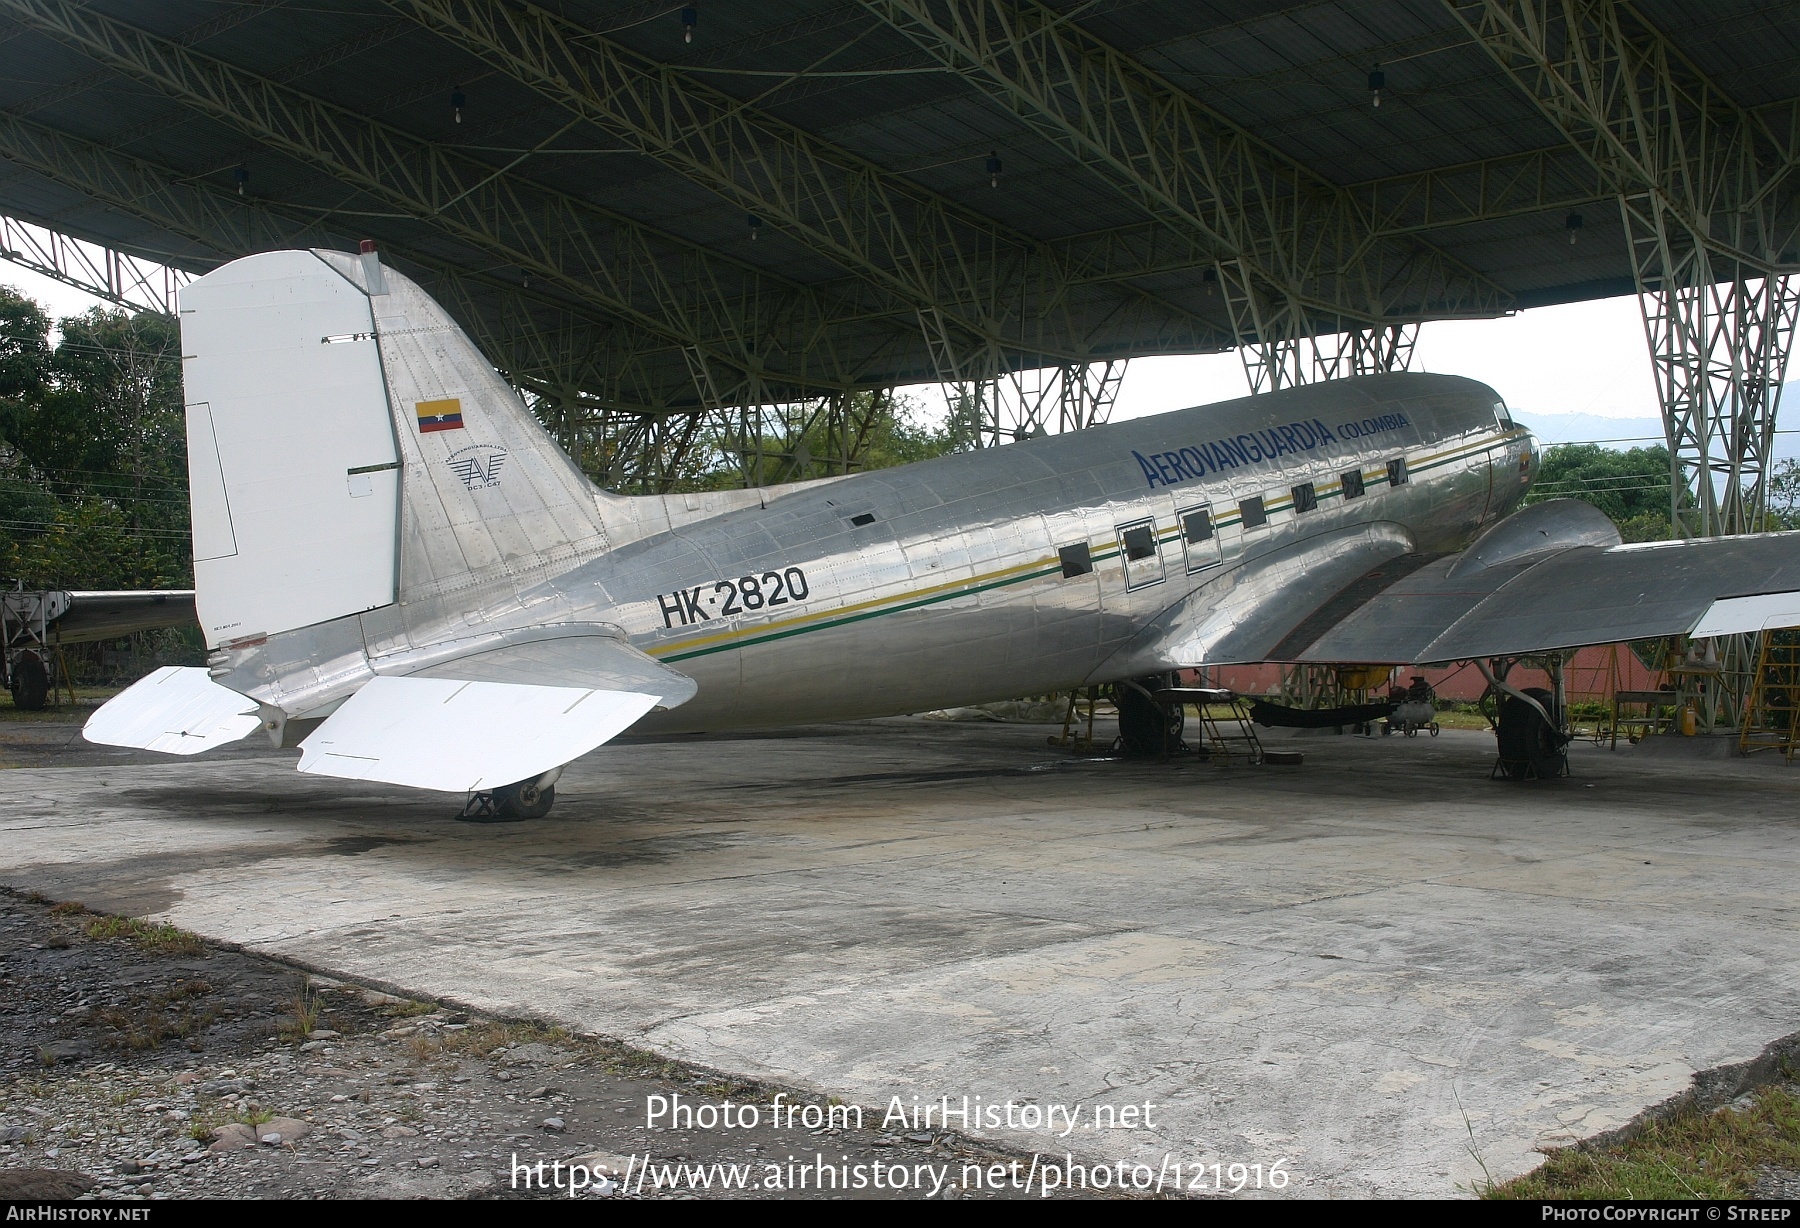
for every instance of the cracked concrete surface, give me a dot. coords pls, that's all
(1379, 965)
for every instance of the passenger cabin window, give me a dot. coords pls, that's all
(1140, 543)
(1397, 472)
(1306, 499)
(1251, 513)
(1077, 560)
(1352, 483)
(1199, 541)
(1143, 561)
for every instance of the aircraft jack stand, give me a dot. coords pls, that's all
(482, 808)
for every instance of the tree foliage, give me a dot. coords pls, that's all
(93, 450)
(1630, 487)
(895, 434)
(1784, 495)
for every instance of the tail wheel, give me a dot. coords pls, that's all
(524, 800)
(30, 682)
(1147, 728)
(1529, 746)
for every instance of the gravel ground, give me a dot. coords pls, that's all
(141, 1062)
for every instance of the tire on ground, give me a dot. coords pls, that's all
(30, 682)
(1528, 746)
(1142, 724)
(524, 800)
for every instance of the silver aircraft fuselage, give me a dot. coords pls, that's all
(943, 583)
(983, 575)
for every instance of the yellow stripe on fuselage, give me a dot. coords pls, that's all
(783, 627)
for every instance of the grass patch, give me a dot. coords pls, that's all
(87, 698)
(407, 1009)
(303, 1015)
(1689, 1155)
(156, 936)
(171, 1014)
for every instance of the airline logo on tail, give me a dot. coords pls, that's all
(439, 415)
(478, 465)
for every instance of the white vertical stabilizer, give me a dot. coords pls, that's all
(291, 455)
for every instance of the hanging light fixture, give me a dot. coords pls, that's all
(1572, 224)
(240, 176)
(1377, 83)
(458, 100)
(690, 18)
(993, 168)
(755, 228)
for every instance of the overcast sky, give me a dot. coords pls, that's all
(1582, 358)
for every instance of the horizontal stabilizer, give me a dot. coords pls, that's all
(460, 736)
(181, 711)
(586, 656)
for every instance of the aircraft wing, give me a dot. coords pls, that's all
(1574, 597)
(1551, 576)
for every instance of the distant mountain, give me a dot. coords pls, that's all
(1627, 433)
(1620, 433)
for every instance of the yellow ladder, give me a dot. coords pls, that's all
(1772, 709)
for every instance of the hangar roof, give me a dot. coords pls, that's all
(806, 196)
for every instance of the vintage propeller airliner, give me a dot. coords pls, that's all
(394, 563)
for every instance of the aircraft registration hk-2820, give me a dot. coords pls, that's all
(396, 564)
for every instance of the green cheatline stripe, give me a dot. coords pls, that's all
(1098, 557)
(868, 614)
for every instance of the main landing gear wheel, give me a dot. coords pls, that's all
(525, 800)
(1147, 729)
(1531, 748)
(30, 682)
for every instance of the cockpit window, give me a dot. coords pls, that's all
(1503, 416)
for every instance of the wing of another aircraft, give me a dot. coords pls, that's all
(1551, 576)
(83, 617)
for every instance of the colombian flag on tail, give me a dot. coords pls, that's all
(439, 415)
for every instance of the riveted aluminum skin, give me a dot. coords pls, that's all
(1203, 535)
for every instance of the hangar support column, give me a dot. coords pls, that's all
(1706, 192)
(992, 404)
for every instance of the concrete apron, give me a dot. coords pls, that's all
(1381, 966)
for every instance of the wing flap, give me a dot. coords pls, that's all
(176, 709)
(460, 736)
